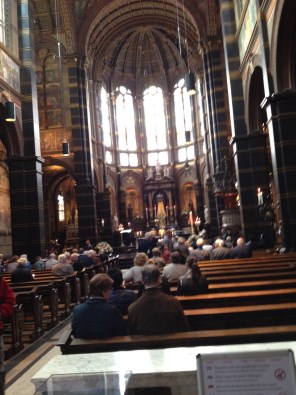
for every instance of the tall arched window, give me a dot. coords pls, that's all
(183, 121)
(155, 126)
(105, 124)
(125, 122)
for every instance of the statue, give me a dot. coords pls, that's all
(158, 170)
(129, 212)
(115, 222)
(149, 173)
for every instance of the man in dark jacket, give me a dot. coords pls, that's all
(155, 312)
(95, 318)
(120, 297)
(242, 250)
(220, 252)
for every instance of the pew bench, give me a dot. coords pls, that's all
(70, 345)
(240, 298)
(13, 332)
(242, 316)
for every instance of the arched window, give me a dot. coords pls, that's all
(183, 121)
(155, 126)
(105, 118)
(125, 122)
(61, 207)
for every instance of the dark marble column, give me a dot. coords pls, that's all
(25, 172)
(85, 191)
(281, 121)
(250, 156)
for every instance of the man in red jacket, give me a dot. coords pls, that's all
(7, 301)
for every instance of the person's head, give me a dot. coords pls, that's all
(155, 251)
(169, 233)
(62, 258)
(74, 257)
(191, 260)
(181, 240)
(219, 243)
(100, 285)
(200, 242)
(175, 257)
(195, 272)
(240, 241)
(87, 242)
(151, 275)
(52, 256)
(22, 262)
(140, 259)
(116, 276)
(37, 258)
(81, 251)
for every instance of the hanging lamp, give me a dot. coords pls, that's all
(10, 111)
(66, 149)
(190, 83)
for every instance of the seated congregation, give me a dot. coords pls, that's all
(175, 286)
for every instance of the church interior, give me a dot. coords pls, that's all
(119, 117)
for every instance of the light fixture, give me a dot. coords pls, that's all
(187, 136)
(186, 165)
(189, 77)
(66, 148)
(190, 83)
(10, 111)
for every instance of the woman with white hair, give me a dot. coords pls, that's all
(21, 273)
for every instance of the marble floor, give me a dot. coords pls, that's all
(21, 368)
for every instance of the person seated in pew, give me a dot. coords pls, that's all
(200, 252)
(11, 263)
(156, 255)
(134, 274)
(172, 271)
(242, 250)
(192, 282)
(155, 312)
(21, 273)
(120, 297)
(83, 260)
(220, 252)
(63, 267)
(49, 264)
(95, 318)
(38, 264)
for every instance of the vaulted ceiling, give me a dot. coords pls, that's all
(134, 42)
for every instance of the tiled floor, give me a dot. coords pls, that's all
(22, 367)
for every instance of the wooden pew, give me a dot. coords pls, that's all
(242, 316)
(252, 285)
(61, 284)
(13, 332)
(238, 298)
(33, 310)
(250, 277)
(49, 296)
(70, 345)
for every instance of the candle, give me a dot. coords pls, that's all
(154, 211)
(167, 211)
(174, 212)
(103, 222)
(146, 212)
(259, 196)
(191, 222)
